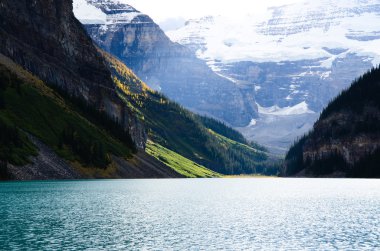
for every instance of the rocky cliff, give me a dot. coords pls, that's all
(65, 105)
(345, 140)
(45, 38)
(165, 66)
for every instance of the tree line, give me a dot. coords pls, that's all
(361, 104)
(91, 153)
(100, 118)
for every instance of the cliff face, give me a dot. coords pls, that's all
(346, 138)
(47, 134)
(45, 38)
(335, 134)
(166, 66)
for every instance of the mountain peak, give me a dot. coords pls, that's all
(107, 12)
(111, 7)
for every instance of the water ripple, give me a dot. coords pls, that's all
(220, 214)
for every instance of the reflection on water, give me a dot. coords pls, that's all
(231, 214)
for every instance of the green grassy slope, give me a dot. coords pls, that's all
(228, 132)
(179, 163)
(34, 108)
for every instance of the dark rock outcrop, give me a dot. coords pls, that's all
(46, 166)
(45, 38)
(346, 138)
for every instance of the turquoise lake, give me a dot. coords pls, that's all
(191, 214)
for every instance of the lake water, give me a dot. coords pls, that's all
(191, 214)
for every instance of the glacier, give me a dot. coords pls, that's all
(294, 58)
(294, 32)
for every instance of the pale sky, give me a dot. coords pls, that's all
(166, 9)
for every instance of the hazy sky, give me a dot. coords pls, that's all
(165, 9)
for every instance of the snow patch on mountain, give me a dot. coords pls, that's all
(300, 108)
(252, 123)
(87, 13)
(277, 133)
(106, 12)
(277, 128)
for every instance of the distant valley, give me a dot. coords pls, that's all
(165, 66)
(111, 95)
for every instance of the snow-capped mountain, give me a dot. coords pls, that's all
(106, 12)
(166, 66)
(288, 33)
(298, 55)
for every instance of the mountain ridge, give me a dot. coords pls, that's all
(169, 67)
(43, 39)
(63, 100)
